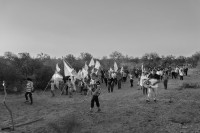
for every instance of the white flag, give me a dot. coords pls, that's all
(92, 71)
(97, 65)
(122, 69)
(57, 78)
(142, 68)
(84, 73)
(67, 70)
(86, 66)
(115, 67)
(91, 62)
(79, 76)
(110, 70)
(57, 68)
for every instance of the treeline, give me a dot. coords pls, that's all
(15, 68)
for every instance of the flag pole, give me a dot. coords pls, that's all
(46, 87)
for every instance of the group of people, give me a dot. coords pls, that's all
(148, 81)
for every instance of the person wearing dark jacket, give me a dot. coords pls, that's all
(110, 84)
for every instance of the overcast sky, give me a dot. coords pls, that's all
(133, 27)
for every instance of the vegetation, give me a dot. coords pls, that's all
(14, 69)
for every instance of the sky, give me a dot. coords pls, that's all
(99, 27)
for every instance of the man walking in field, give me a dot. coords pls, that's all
(29, 90)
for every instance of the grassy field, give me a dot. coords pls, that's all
(123, 111)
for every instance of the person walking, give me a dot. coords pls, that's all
(131, 79)
(29, 90)
(165, 80)
(181, 73)
(96, 90)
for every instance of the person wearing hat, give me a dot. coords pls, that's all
(154, 79)
(96, 90)
(29, 90)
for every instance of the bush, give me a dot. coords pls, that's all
(67, 125)
(187, 85)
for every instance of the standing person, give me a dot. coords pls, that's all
(73, 81)
(29, 90)
(181, 73)
(131, 79)
(119, 80)
(186, 70)
(124, 76)
(176, 71)
(106, 78)
(82, 85)
(143, 80)
(102, 76)
(173, 73)
(52, 88)
(153, 87)
(136, 73)
(95, 95)
(161, 74)
(165, 80)
(70, 87)
(114, 76)
(110, 84)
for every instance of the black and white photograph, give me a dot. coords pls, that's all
(99, 66)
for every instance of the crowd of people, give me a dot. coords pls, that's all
(147, 80)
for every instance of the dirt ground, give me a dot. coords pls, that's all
(123, 111)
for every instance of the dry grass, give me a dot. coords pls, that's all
(189, 85)
(66, 125)
(124, 111)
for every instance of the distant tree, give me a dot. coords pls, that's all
(86, 57)
(116, 55)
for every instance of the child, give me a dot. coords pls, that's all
(95, 96)
(29, 90)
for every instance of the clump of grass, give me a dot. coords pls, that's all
(67, 125)
(189, 85)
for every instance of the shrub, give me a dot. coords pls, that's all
(67, 125)
(187, 85)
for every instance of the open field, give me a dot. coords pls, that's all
(124, 111)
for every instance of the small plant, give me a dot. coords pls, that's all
(67, 125)
(187, 85)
